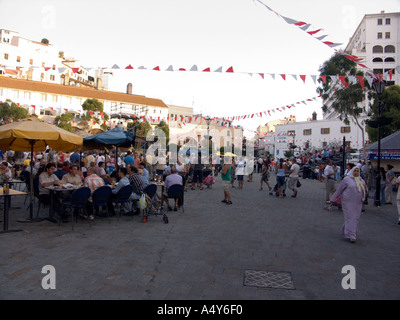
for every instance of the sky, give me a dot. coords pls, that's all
(242, 34)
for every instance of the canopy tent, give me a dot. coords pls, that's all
(390, 148)
(33, 134)
(116, 137)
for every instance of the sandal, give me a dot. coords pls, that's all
(229, 202)
(224, 201)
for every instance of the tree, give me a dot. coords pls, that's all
(391, 110)
(64, 121)
(345, 101)
(9, 111)
(141, 127)
(45, 41)
(164, 127)
(92, 106)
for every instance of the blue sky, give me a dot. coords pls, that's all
(208, 33)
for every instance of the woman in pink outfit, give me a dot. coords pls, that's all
(353, 191)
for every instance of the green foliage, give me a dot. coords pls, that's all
(164, 127)
(64, 121)
(391, 109)
(93, 105)
(141, 127)
(45, 41)
(13, 112)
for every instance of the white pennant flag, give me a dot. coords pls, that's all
(170, 68)
(219, 69)
(314, 78)
(194, 68)
(294, 76)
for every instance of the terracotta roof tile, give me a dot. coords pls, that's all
(45, 87)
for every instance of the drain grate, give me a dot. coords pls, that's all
(268, 279)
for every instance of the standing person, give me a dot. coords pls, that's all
(226, 181)
(398, 197)
(265, 176)
(329, 173)
(260, 162)
(129, 158)
(352, 191)
(198, 173)
(390, 180)
(294, 178)
(240, 173)
(382, 173)
(349, 166)
(233, 173)
(281, 170)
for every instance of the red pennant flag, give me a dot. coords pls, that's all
(66, 110)
(269, 112)
(34, 107)
(314, 32)
(182, 69)
(260, 114)
(380, 77)
(129, 67)
(300, 23)
(262, 75)
(156, 68)
(252, 116)
(342, 79)
(323, 79)
(283, 76)
(47, 68)
(230, 69)
(206, 70)
(390, 74)
(303, 77)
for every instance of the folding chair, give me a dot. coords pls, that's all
(100, 197)
(122, 196)
(78, 201)
(176, 191)
(151, 206)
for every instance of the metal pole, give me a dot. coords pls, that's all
(378, 176)
(343, 157)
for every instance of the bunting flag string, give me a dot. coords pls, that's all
(303, 77)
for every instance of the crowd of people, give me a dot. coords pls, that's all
(97, 168)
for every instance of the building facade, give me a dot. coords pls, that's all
(377, 41)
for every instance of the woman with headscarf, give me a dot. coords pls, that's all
(352, 191)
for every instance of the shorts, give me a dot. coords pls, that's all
(240, 177)
(280, 181)
(264, 177)
(292, 184)
(226, 185)
(197, 176)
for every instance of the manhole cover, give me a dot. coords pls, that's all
(268, 279)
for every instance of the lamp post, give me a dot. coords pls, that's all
(379, 87)
(208, 121)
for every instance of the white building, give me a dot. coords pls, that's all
(377, 41)
(316, 134)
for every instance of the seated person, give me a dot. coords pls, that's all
(92, 181)
(173, 178)
(5, 172)
(124, 181)
(60, 172)
(101, 172)
(47, 179)
(138, 186)
(72, 177)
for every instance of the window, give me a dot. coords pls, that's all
(389, 60)
(387, 21)
(390, 49)
(307, 132)
(6, 56)
(27, 95)
(379, 22)
(387, 35)
(52, 77)
(18, 59)
(43, 64)
(31, 61)
(345, 129)
(377, 60)
(377, 49)
(55, 98)
(378, 71)
(44, 97)
(379, 35)
(324, 144)
(325, 130)
(54, 67)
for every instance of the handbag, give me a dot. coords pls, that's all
(298, 185)
(142, 202)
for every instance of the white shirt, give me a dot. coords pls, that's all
(329, 171)
(295, 173)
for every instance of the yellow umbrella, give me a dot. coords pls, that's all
(230, 154)
(35, 135)
(20, 135)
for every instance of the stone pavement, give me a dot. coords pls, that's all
(206, 252)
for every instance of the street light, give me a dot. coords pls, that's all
(379, 87)
(208, 121)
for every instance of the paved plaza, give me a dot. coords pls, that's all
(259, 248)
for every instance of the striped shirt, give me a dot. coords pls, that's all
(137, 183)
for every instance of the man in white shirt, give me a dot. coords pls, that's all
(294, 177)
(170, 180)
(329, 174)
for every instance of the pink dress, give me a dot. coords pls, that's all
(352, 201)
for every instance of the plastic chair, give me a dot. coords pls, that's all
(100, 197)
(176, 191)
(150, 190)
(77, 202)
(122, 196)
